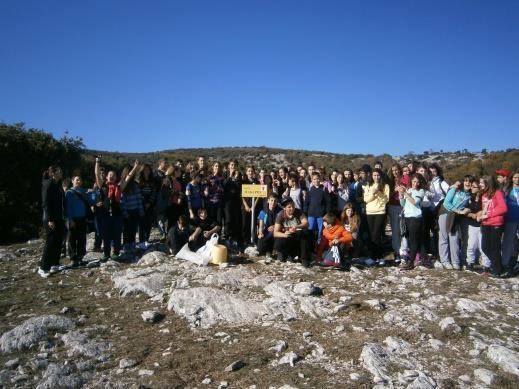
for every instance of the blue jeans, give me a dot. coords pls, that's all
(316, 223)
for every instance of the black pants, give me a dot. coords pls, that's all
(429, 226)
(177, 239)
(491, 246)
(130, 225)
(296, 245)
(52, 249)
(173, 211)
(376, 224)
(145, 224)
(233, 230)
(414, 235)
(215, 212)
(111, 232)
(266, 244)
(77, 239)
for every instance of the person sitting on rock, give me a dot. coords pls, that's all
(266, 221)
(334, 235)
(205, 227)
(291, 237)
(178, 235)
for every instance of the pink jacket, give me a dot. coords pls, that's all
(495, 209)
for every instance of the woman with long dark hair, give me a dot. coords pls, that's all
(411, 200)
(376, 196)
(53, 220)
(396, 181)
(108, 208)
(132, 208)
(147, 186)
(492, 218)
(511, 224)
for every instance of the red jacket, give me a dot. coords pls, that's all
(335, 232)
(495, 209)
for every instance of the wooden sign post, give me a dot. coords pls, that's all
(254, 191)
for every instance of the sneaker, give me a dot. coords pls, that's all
(54, 269)
(291, 259)
(469, 267)
(456, 267)
(105, 258)
(447, 266)
(369, 262)
(281, 257)
(43, 273)
(382, 262)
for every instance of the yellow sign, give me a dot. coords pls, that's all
(251, 190)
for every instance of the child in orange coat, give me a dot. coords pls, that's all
(334, 234)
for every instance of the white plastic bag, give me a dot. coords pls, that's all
(207, 249)
(336, 254)
(186, 254)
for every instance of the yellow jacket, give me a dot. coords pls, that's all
(375, 201)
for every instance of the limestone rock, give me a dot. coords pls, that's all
(78, 343)
(149, 281)
(152, 258)
(152, 316)
(449, 325)
(506, 359)
(485, 376)
(374, 358)
(236, 365)
(32, 331)
(60, 376)
(205, 307)
(289, 359)
(307, 289)
(127, 363)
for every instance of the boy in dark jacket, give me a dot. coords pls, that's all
(317, 204)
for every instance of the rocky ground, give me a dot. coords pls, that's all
(161, 322)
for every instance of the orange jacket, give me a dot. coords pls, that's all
(335, 232)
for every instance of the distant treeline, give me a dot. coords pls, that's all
(26, 153)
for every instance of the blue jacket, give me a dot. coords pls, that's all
(75, 207)
(456, 200)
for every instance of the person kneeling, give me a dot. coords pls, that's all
(334, 241)
(291, 234)
(205, 227)
(178, 235)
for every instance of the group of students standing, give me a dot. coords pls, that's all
(307, 213)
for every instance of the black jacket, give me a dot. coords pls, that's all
(317, 202)
(52, 201)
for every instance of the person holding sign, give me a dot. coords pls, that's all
(291, 238)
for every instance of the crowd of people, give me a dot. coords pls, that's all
(309, 215)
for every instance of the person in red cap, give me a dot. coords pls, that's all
(503, 179)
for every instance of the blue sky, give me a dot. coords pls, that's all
(340, 76)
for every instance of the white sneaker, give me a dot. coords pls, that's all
(382, 262)
(42, 273)
(447, 265)
(54, 269)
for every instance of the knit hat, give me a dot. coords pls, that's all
(503, 172)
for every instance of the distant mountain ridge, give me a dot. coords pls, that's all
(455, 163)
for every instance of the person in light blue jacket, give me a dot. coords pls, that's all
(411, 201)
(77, 204)
(455, 204)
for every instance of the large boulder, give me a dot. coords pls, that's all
(205, 307)
(32, 331)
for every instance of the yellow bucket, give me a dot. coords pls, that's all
(218, 254)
